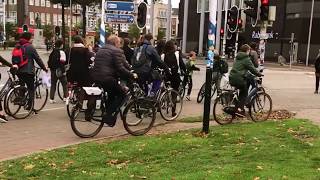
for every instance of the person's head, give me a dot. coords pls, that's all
(114, 40)
(58, 43)
(126, 42)
(26, 35)
(78, 40)
(245, 48)
(253, 46)
(192, 54)
(170, 47)
(160, 46)
(148, 37)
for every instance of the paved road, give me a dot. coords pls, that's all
(292, 90)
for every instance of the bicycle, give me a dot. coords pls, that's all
(215, 87)
(133, 112)
(19, 96)
(256, 101)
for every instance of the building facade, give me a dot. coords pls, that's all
(11, 11)
(293, 16)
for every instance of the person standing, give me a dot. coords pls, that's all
(3, 118)
(128, 52)
(317, 72)
(26, 67)
(80, 60)
(190, 66)
(56, 63)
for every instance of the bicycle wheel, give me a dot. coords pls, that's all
(86, 123)
(40, 97)
(60, 90)
(223, 109)
(201, 93)
(170, 105)
(17, 103)
(139, 116)
(260, 107)
(182, 90)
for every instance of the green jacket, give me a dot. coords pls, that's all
(240, 69)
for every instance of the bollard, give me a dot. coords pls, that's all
(207, 101)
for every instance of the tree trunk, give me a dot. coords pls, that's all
(63, 26)
(84, 20)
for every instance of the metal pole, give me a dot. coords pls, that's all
(102, 26)
(169, 10)
(211, 44)
(201, 32)
(224, 44)
(219, 19)
(291, 49)
(152, 17)
(310, 33)
(70, 27)
(185, 26)
(4, 20)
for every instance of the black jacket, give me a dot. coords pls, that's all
(317, 64)
(32, 55)
(54, 60)
(128, 52)
(109, 65)
(79, 65)
(170, 60)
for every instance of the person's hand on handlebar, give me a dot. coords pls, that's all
(14, 66)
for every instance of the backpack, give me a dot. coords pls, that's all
(19, 55)
(140, 62)
(224, 68)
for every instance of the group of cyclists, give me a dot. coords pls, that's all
(106, 65)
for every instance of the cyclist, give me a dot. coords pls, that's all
(107, 70)
(3, 118)
(238, 78)
(26, 71)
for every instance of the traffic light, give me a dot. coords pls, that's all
(240, 24)
(221, 33)
(57, 30)
(233, 15)
(25, 28)
(142, 15)
(264, 10)
(252, 8)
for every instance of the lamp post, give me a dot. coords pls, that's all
(310, 33)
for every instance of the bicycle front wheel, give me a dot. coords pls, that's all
(17, 103)
(60, 90)
(201, 93)
(139, 116)
(86, 123)
(40, 97)
(260, 107)
(170, 105)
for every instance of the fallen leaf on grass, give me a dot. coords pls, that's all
(141, 177)
(318, 169)
(29, 167)
(259, 167)
(256, 178)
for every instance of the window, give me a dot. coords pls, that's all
(48, 19)
(48, 3)
(31, 14)
(55, 6)
(37, 2)
(55, 19)
(31, 2)
(43, 18)
(43, 3)
(199, 6)
(59, 20)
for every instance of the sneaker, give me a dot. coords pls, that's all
(188, 97)
(3, 119)
(240, 113)
(110, 120)
(52, 101)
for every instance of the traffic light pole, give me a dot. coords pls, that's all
(218, 37)
(185, 26)
(102, 26)
(169, 12)
(201, 33)
(224, 43)
(152, 16)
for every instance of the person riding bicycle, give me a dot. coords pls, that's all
(144, 60)
(238, 76)
(26, 66)
(107, 70)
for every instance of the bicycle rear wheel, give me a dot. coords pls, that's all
(260, 107)
(223, 111)
(139, 116)
(60, 90)
(170, 105)
(41, 97)
(17, 104)
(86, 123)
(201, 93)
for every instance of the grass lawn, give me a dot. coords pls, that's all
(269, 150)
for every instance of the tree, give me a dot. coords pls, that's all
(11, 30)
(48, 32)
(161, 34)
(64, 3)
(84, 4)
(134, 32)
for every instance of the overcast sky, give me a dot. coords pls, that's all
(175, 3)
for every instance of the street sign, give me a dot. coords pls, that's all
(119, 18)
(119, 6)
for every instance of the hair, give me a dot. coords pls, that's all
(148, 37)
(169, 47)
(78, 39)
(126, 42)
(160, 46)
(58, 43)
(245, 48)
(112, 39)
(253, 45)
(26, 35)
